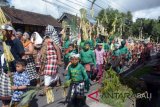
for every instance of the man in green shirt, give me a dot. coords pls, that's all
(66, 43)
(124, 54)
(79, 81)
(88, 58)
(91, 44)
(67, 55)
(123, 48)
(115, 59)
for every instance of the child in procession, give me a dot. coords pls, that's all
(67, 55)
(20, 82)
(100, 60)
(79, 79)
(88, 59)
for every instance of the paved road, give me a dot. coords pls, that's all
(40, 101)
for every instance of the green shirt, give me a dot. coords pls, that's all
(98, 40)
(116, 53)
(77, 73)
(91, 42)
(106, 46)
(124, 50)
(82, 45)
(88, 57)
(66, 44)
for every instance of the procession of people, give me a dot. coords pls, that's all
(37, 57)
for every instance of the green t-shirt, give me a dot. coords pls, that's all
(66, 44)
(116, 53)
(91, 42)
(98, 40)
(77, 73)
(87, 57)
(106, 46)
(82, 45)
(124, 50)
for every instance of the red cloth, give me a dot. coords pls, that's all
(51, 66)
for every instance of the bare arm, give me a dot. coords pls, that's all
(19, 88)
(30, 49)
(58, 54)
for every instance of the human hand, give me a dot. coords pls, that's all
(65, 72)
(14, 87)
(23, 57)
(40, 72)
(9, 74)
(59, 63)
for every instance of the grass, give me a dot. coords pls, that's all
(111, 86)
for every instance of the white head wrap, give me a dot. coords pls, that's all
(52, 33)
(38, 38)
(74, 55)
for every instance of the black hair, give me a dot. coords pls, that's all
(21, 62)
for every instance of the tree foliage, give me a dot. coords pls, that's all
(108, 16)
(126, 27)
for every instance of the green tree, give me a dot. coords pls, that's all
(122, 24)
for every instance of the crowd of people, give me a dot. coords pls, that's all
(36, 57)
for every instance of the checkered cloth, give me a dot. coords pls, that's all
(5, 85)
(77, 89)
(51, 66)
(31, 69)
(50, 31)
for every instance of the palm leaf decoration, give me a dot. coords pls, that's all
(92, 12)
(84, 24)
(105, 17)
(64, 26)
(74, 29)
(114, 25)
(83, 13)
(93, 3)
(27, 97)
(65, 86)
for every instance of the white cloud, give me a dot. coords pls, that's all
(152, 13)
(61, 6)
(55, 9)
(35, 6)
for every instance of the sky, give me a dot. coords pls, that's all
(139, 8)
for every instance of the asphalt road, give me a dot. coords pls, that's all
(40, 101)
